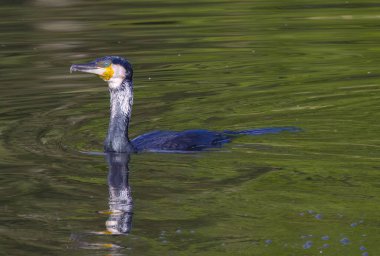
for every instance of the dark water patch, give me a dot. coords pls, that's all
(168, 22)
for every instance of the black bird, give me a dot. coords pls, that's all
(118, 73)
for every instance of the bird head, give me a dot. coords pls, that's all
(112, 69)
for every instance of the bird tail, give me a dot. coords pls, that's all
(262, 131)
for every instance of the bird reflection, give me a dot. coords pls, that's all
(120, 198)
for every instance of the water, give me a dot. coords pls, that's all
(205, 64)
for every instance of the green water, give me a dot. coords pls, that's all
(201, 64)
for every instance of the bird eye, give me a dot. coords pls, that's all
(104, 63)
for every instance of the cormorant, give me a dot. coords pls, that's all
(118, 73)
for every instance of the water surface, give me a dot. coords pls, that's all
(215, 65)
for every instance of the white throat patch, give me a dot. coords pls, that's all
(118, 76)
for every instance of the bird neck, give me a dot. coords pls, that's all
(121, 100)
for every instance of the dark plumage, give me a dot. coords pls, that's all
(118, 73)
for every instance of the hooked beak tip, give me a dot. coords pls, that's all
(73, 68)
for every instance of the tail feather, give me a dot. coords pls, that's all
(261, 131)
